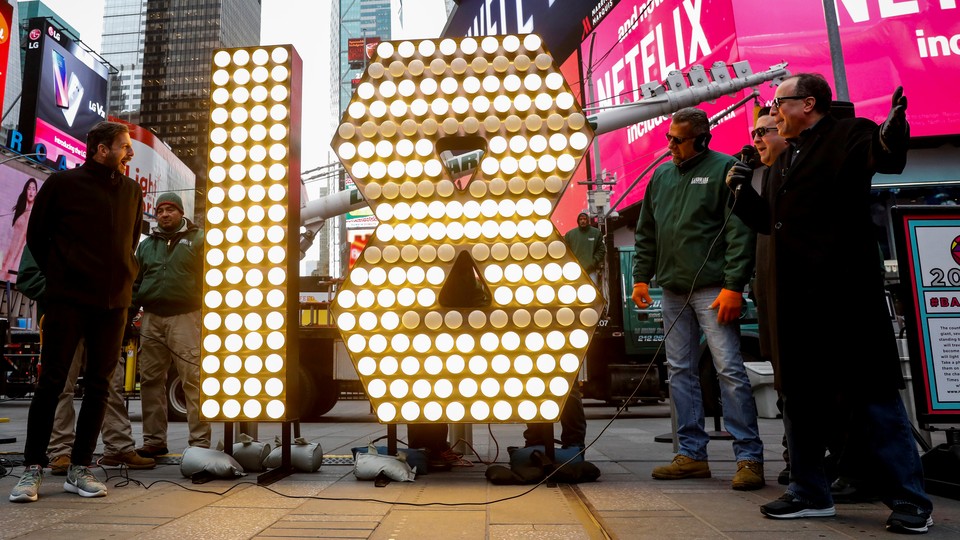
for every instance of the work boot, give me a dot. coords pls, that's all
(59, 465)
(152, 451)
(682, 467)
(131, 459)
(749, 476)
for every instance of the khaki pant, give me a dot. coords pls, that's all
(116, 433)
(166, 341)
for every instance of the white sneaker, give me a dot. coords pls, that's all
(80, 480)
(28, 485)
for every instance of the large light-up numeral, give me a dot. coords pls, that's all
(514, 359)
(249, 334)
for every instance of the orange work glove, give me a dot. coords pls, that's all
(641, 295)
(728, 305)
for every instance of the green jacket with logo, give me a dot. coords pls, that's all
(170, 281)
(683, 211)
(587, 246)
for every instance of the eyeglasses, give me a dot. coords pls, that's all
(778, 100)
(678, 140)
(762, 131)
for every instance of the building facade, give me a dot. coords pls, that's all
(179, 39)
(359, 19)
(124, 23)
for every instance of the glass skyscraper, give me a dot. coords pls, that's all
(124, 22)
(179, 40)
(359, 19)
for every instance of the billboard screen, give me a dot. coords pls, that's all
(6, 18)
(64, 93)
(361, 218)
(361, 49)
(914, 43)
(17, 192)
(562, 25)
(158, 170)
(636, 46)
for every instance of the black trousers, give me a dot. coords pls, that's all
(63, 326)
(573, 423)
(433, 437)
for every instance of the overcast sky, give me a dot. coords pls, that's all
(308, 31)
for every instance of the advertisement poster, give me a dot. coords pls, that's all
(17, 192)
(361, 218)
(359, 50)
(64, 94)
(358, 240)
(913, 43)
(928, 245)
(6, 16)
(562, 25)
(642, 42)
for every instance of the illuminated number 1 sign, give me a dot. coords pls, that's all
(510, 353)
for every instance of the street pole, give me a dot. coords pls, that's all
(836, 50)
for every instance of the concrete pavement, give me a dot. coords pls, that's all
(624, 503)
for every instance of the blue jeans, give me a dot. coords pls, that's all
(683, 361)
(877, 429)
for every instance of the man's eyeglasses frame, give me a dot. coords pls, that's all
(777, 100)
(762, 132)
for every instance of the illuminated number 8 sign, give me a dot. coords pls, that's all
(466, 305)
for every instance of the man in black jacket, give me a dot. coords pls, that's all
(83, 231)
(816, 211)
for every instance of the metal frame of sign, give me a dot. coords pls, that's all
(928, 253)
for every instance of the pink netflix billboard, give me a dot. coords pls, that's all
(635, 46)
(886, 43)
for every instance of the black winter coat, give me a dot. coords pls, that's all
(83, 231)
(829, 325)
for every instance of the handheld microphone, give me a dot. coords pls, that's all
(748, 155)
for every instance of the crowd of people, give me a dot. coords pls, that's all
(797, 224)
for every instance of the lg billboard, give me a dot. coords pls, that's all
(64, 95)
